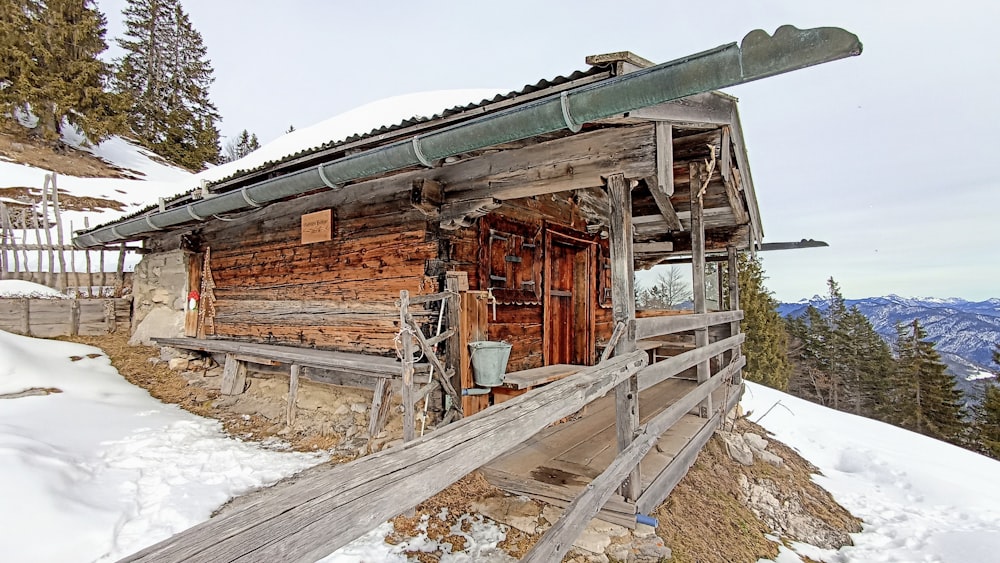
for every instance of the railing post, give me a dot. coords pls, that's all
(734, 305)
(698, 174)
(406, 343)
(623, 304)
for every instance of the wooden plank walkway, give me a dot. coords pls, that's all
(558, 463)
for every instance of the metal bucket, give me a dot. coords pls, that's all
(489, 362)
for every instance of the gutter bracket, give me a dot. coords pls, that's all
(193, 214)
(246, 198)
(419, 153)
(567, 117)
(322, 176)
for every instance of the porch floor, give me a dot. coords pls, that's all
(556, 464)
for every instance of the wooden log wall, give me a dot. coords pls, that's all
(519, 314)
(338, 294)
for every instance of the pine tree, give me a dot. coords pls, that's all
(766, 341)
(925, 397)
(839, 359)
(240, 146)
(986, 416)
(52, 69)
(166, 73)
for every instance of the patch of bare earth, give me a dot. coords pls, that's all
(706, 519)
(18, 147)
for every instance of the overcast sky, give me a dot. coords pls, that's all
(890, 157)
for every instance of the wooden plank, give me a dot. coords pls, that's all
(734, 293)
(670, 367)
(528, 378)
(664, 159)
(375, 366)
(665, 482)
(474, 327)
(409, 428)
(74, 317)
(293, 393)
(191, 313)
(63, 276)
(317, 513)
(652, 327)
(731, 183)
(623, 307)
(233, 376)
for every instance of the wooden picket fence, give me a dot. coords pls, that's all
(64, 317)
(33, 247)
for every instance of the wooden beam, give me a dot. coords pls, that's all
(670, 367)
(698, 175)
(327, 506)
(665, 158)
(380, 408)
(460, 214)
(623, 310)
(734, 294)
(580, 161)
(652, 247)
(651, 327)
(731, 181)
(706, 110)
(426, 196)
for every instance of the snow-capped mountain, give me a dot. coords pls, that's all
(964, 332)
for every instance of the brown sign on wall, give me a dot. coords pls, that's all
(317, 227)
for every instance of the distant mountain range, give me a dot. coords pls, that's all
(964, 332)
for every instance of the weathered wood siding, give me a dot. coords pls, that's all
(64, 317)
(339, 294)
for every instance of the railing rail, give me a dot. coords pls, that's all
(651, 327)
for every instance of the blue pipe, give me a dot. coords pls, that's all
(647, 520)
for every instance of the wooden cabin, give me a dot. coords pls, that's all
(519, 219)
(532, 242)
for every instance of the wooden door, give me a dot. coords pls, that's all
(569, 317)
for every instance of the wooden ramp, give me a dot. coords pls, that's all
(558, 463)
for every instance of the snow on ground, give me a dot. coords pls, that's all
(20, 288)
(920, 499)
(93, 468)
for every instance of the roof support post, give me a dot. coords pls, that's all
(699, 177)
(734, 305)
(623, 305)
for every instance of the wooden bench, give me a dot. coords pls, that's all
(520, 382)
(238, 354)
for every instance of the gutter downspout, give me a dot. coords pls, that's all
(759, 56)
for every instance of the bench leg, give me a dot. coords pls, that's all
(380, 407)
(293, 392)
(234, 376)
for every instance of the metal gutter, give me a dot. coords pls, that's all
(759, 56)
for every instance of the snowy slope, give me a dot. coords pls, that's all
(920, 499)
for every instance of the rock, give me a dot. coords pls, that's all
(581, 556)
(650, 550)
(592, 541)
(359, 407)
(214, 372)
(224, 402)
(643, 531)
(516, 512)
(755, 441)
(772, 458)
(737, 448)
(551, 514)
(159, 322)
(602, 527)
(341, 410)
(618, 552)
(178, 364)
(783, 511)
